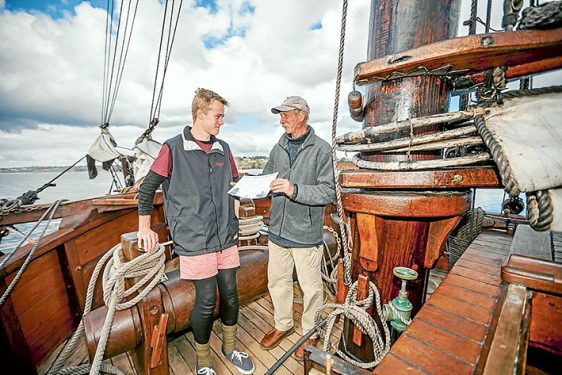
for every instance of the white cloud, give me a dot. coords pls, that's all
(51, 73)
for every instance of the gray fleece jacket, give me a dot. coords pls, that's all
(301, 219)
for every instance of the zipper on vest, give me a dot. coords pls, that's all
(213, 201)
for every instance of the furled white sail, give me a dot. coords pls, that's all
(528, 131)
(145, 152)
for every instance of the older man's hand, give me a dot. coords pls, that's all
(281, 185)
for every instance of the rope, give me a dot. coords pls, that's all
(149, 267)
(344, 228)
(545, 16)
(508, 181)
(351, 310)
(356, 312)
(249, 228)
(331, 277)
(51, 212)
(540, 213)
(30, 197)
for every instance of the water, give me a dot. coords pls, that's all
(71, 186)
(76, 185)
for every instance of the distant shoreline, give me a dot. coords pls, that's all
(42, 169)
(248, 162)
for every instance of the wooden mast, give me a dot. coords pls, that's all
(406, 227)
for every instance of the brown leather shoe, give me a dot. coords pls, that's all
(274, 337)
(299, 353)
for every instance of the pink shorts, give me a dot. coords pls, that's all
(203, 266)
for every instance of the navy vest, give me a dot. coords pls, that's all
(199, 211)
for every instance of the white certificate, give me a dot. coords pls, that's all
(253, 187)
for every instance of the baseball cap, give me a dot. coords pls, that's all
(291, 103)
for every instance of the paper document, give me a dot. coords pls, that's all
(253, 187)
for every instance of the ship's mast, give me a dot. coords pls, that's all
(405, 227)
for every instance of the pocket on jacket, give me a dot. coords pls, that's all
(188, 232)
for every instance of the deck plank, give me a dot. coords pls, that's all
(449, 333)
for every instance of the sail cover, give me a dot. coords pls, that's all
(103, 150)
(528, 131)
(145, 151)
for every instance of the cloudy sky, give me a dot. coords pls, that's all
(253, 52)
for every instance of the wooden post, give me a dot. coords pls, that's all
(149, 359)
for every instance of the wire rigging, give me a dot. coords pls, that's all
(171, 17)
(115, 54)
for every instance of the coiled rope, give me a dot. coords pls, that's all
(149, 267)
(356, 311)
(250, 229)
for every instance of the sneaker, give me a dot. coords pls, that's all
(205, 370)
(240, 360)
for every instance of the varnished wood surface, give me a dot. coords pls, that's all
(458, 178)
(449, 333)
(471, 53)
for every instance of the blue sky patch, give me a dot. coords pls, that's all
(211, 42)
(55, 9)
(211, 5)
(316, 26)
(247, 8)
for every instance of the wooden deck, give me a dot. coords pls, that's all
(255, 320)
(448, 334)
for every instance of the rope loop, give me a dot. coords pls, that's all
(356, 311)
(148, 266)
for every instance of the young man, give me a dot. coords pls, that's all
(195, 169)
(304, 185)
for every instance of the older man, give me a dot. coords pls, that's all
(304, 185)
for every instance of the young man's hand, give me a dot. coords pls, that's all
(147, 238)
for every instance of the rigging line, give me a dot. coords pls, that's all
(158, 62)
(488, 16)
(106, 50)
(123, 56)
(60, 174)
(113, 64)
(339, 205)
(168, 52)
(166, 59)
